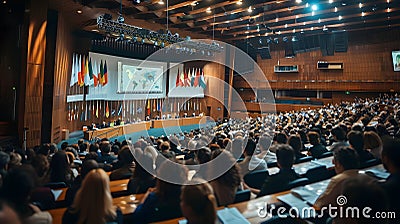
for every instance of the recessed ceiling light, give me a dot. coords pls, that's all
(249, 9)
(304, 23)
(79, 11)
(239, 2)
(388, 9)
(208, 10)
(285, 25)
(279, 32)
(362, 13)
(330, 1)
(161, 2)
(194, 3)
(294, 30)
(312, 13)
(276, 19)
(307, 5)
(340, 17)
(298, 1)
(297, 16)
(247, 31)
(312, 28)
(344, 3)
(314, 7)
(319, 20)
(360, 5)
(335, 9)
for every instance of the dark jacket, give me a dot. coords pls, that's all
(155, 209)
(317, 150)
(278, 182)
(72, 218)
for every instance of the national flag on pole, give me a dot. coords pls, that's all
(148, 107)
(95, 72)
(81, 69)
(91, 74)
(101, 73)
(74, 75)
(177, 83)
(186, 78)
(203, 83)
(107, 111)
(196, 79)
(105, 76)
(86, 73)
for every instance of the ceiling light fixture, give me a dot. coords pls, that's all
(330, 1)
(335, 9)
(161, 2)
(298, 1)
(239, 2)
(194, 3)
(249, 9)
(79, 11)
(340, 18)
(208, 10)
(360, 5)
(362, 13)
(314, 7)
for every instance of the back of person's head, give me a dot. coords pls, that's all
(346, 157)
(285, 155)
(94, 147)
(357, 127)
(250, 147)
(53, 148)
(198, 202)
(171, 171)
(165, 146)
(58, 166)
(281, 138)
(313, 137)
(339, 133)
(356, 140)
(44, 149)
(93, 200)
(264, 142)
(91, 155)
(17, 186)
(115, 149)
(64, 145)
(203, 155)
(82, 147)
(231, 177)
(391, 154)
(362, 192)
(87, 166)
(372, 140)
(4, 160)
(125, 156)
(105, 147)
(41, 165)
(144, 167)
(295, 142)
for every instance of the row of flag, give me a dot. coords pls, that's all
(194, 78)
(88, 73)
(128, 109)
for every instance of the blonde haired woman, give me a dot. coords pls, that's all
(198, 202)
(93, 202)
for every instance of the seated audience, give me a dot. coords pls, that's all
(198, 202)
(356, 141)
(16, 189)
(143, 177)
(161, 202)
(106, 157)
(346, 164)
(225, 185)
(93, 202)
(297, 146)
(87, 166)
(373, 143)
(339, 138)
(264, 145)
(125, 158)
(391, 162)
(251, 162)
(60, 170)
(286, 174)
(317, 148)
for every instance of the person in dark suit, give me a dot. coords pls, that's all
(278, 181)
(317, 149)
(391, 162)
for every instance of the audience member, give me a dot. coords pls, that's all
(125, 158)
(317, 149)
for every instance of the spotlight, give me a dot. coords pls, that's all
(276, 40)
(136, 1)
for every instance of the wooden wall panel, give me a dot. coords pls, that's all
(367, 62)
(36, 48)
(62, 73)
(214, 90)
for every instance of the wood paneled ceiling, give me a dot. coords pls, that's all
(230, 20)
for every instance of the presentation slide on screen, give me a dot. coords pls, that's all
(396, 60)
(140, 79)
(127, 78)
